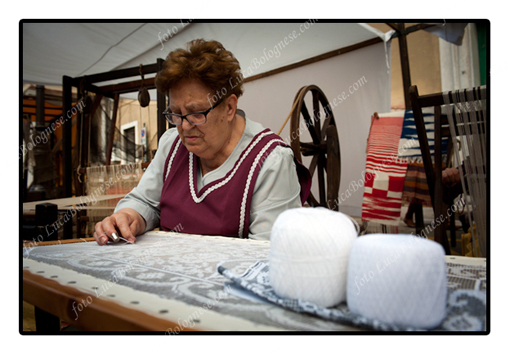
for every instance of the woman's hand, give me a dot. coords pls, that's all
(126, 221)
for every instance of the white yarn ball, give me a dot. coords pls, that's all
(309, 255)
(398, 279)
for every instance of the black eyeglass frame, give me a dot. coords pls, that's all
(169, 114)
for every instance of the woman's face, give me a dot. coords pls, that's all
(208, 140)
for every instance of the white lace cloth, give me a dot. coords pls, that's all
(174, 276)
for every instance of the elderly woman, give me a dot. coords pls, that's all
(216, 172)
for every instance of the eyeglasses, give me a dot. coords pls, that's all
(194, 118)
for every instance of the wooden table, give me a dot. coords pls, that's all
(166, 282)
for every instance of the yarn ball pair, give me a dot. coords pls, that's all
(317, 256)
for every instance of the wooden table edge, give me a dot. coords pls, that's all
(99, 315)
(30, 244)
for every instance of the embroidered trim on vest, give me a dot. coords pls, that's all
(248, 182)
(176, 148)
(225, 181)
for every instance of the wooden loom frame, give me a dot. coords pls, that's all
(433, 169)
(89, 83)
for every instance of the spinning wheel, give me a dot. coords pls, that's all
(325, 146)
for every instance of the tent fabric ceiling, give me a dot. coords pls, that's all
(51, 50)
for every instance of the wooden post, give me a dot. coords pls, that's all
(161, 106)
(440, 230)
(111, 133)
(404, 63)
(422, 138)
(67, 151)
(333, 167)
(67, 136)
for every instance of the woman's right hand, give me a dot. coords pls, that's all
(128, 222)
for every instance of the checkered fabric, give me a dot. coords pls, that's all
(385, 172)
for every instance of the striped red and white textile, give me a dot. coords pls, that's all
(385, 172)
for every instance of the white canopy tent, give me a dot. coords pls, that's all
(360, 77)
(51, 50)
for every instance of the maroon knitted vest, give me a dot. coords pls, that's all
(221, 207)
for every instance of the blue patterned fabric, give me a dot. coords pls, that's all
(466, 308)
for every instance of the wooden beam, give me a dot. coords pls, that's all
(410, 29)
(97, 90)
(116, 74)
(129, 86)
(438, 98)
(394, 26)
(315, 59)
(420, 26)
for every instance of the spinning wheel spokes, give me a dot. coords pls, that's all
(324, 148)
